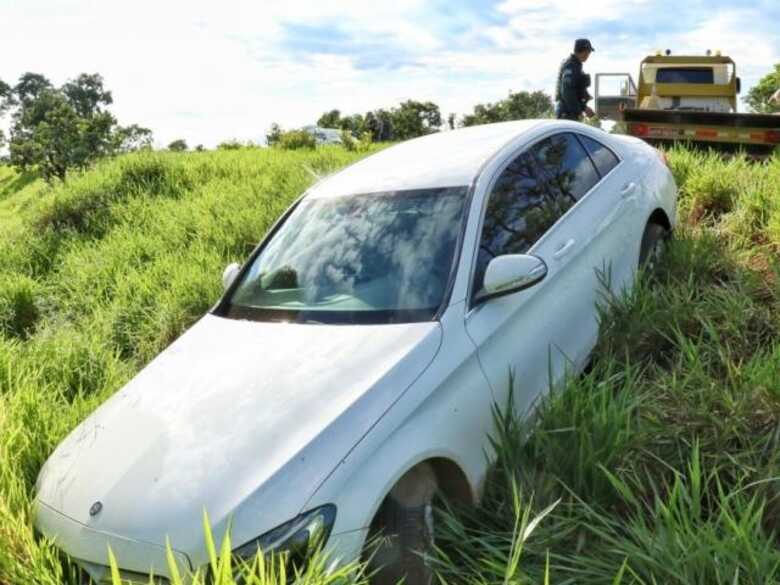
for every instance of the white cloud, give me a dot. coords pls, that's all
(207, 71)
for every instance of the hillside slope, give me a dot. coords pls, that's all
(97, 276)
(663, 457)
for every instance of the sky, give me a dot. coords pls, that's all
(215, 70)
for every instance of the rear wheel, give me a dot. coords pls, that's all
(402, 532)
(653, 246)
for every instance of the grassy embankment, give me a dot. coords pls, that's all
(662, 460)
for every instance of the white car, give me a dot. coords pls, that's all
(349, 372)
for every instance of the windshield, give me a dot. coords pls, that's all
(703, 75)
(377, 258)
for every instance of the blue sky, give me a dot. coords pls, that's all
(208, 71)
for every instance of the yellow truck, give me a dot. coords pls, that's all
(685, 98)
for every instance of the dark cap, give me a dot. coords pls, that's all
(582, 45)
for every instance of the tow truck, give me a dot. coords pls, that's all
(689, 98)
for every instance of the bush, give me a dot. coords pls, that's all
(19, 311)
(357, 145)
(296, 139)
(235, 145)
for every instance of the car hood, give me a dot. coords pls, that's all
(241, 419)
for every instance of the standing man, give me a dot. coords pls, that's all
(571, 91)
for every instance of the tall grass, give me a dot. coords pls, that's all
(657, 466)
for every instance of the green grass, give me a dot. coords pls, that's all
(658, 466)
(664, 458)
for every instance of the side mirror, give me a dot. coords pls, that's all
(229, 275)
(512, 273)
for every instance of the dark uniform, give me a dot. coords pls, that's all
(571, 90)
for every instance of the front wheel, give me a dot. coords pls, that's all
(403, 531)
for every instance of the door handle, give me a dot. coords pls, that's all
(628, 189)
(564, 249)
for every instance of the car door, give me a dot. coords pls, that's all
(599, 255)
(612, 237)
(525, 333)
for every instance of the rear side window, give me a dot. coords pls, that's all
(604, 159)
(565, 166)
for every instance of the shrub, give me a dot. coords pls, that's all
(19, 310)
(234, 144)
(363, 144)
(296, 139)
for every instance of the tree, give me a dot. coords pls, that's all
(28, 89)
(133, 137)
(330, 119)
(386, 129)
(759, 95)
(179, 145)
(274, 134)
(87, 95)
(57, 129)
(518, 106)
(354, 124)
(379, 124)
(412, 119)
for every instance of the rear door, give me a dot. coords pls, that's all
(610, 212)
(586, 170)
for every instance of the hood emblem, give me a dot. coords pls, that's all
(95, 509)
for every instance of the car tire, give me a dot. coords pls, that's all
(652, 248)
(402, 533)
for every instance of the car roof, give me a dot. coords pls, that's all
(444, 159)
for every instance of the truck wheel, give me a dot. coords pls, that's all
(652, 248)
(403, 531)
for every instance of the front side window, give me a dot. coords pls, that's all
(376, 258)
(519, 212)
(604, 159)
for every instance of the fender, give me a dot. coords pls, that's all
(450, 425)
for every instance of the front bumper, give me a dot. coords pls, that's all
(89, 547)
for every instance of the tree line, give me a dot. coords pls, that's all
(412, 118)
(55, 129)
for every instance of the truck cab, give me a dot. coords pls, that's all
(685, 98)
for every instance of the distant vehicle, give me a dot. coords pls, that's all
(349, 372)
(324, 135)
(685, 98)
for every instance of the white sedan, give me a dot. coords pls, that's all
(349, 372)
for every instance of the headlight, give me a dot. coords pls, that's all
(296, 537)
